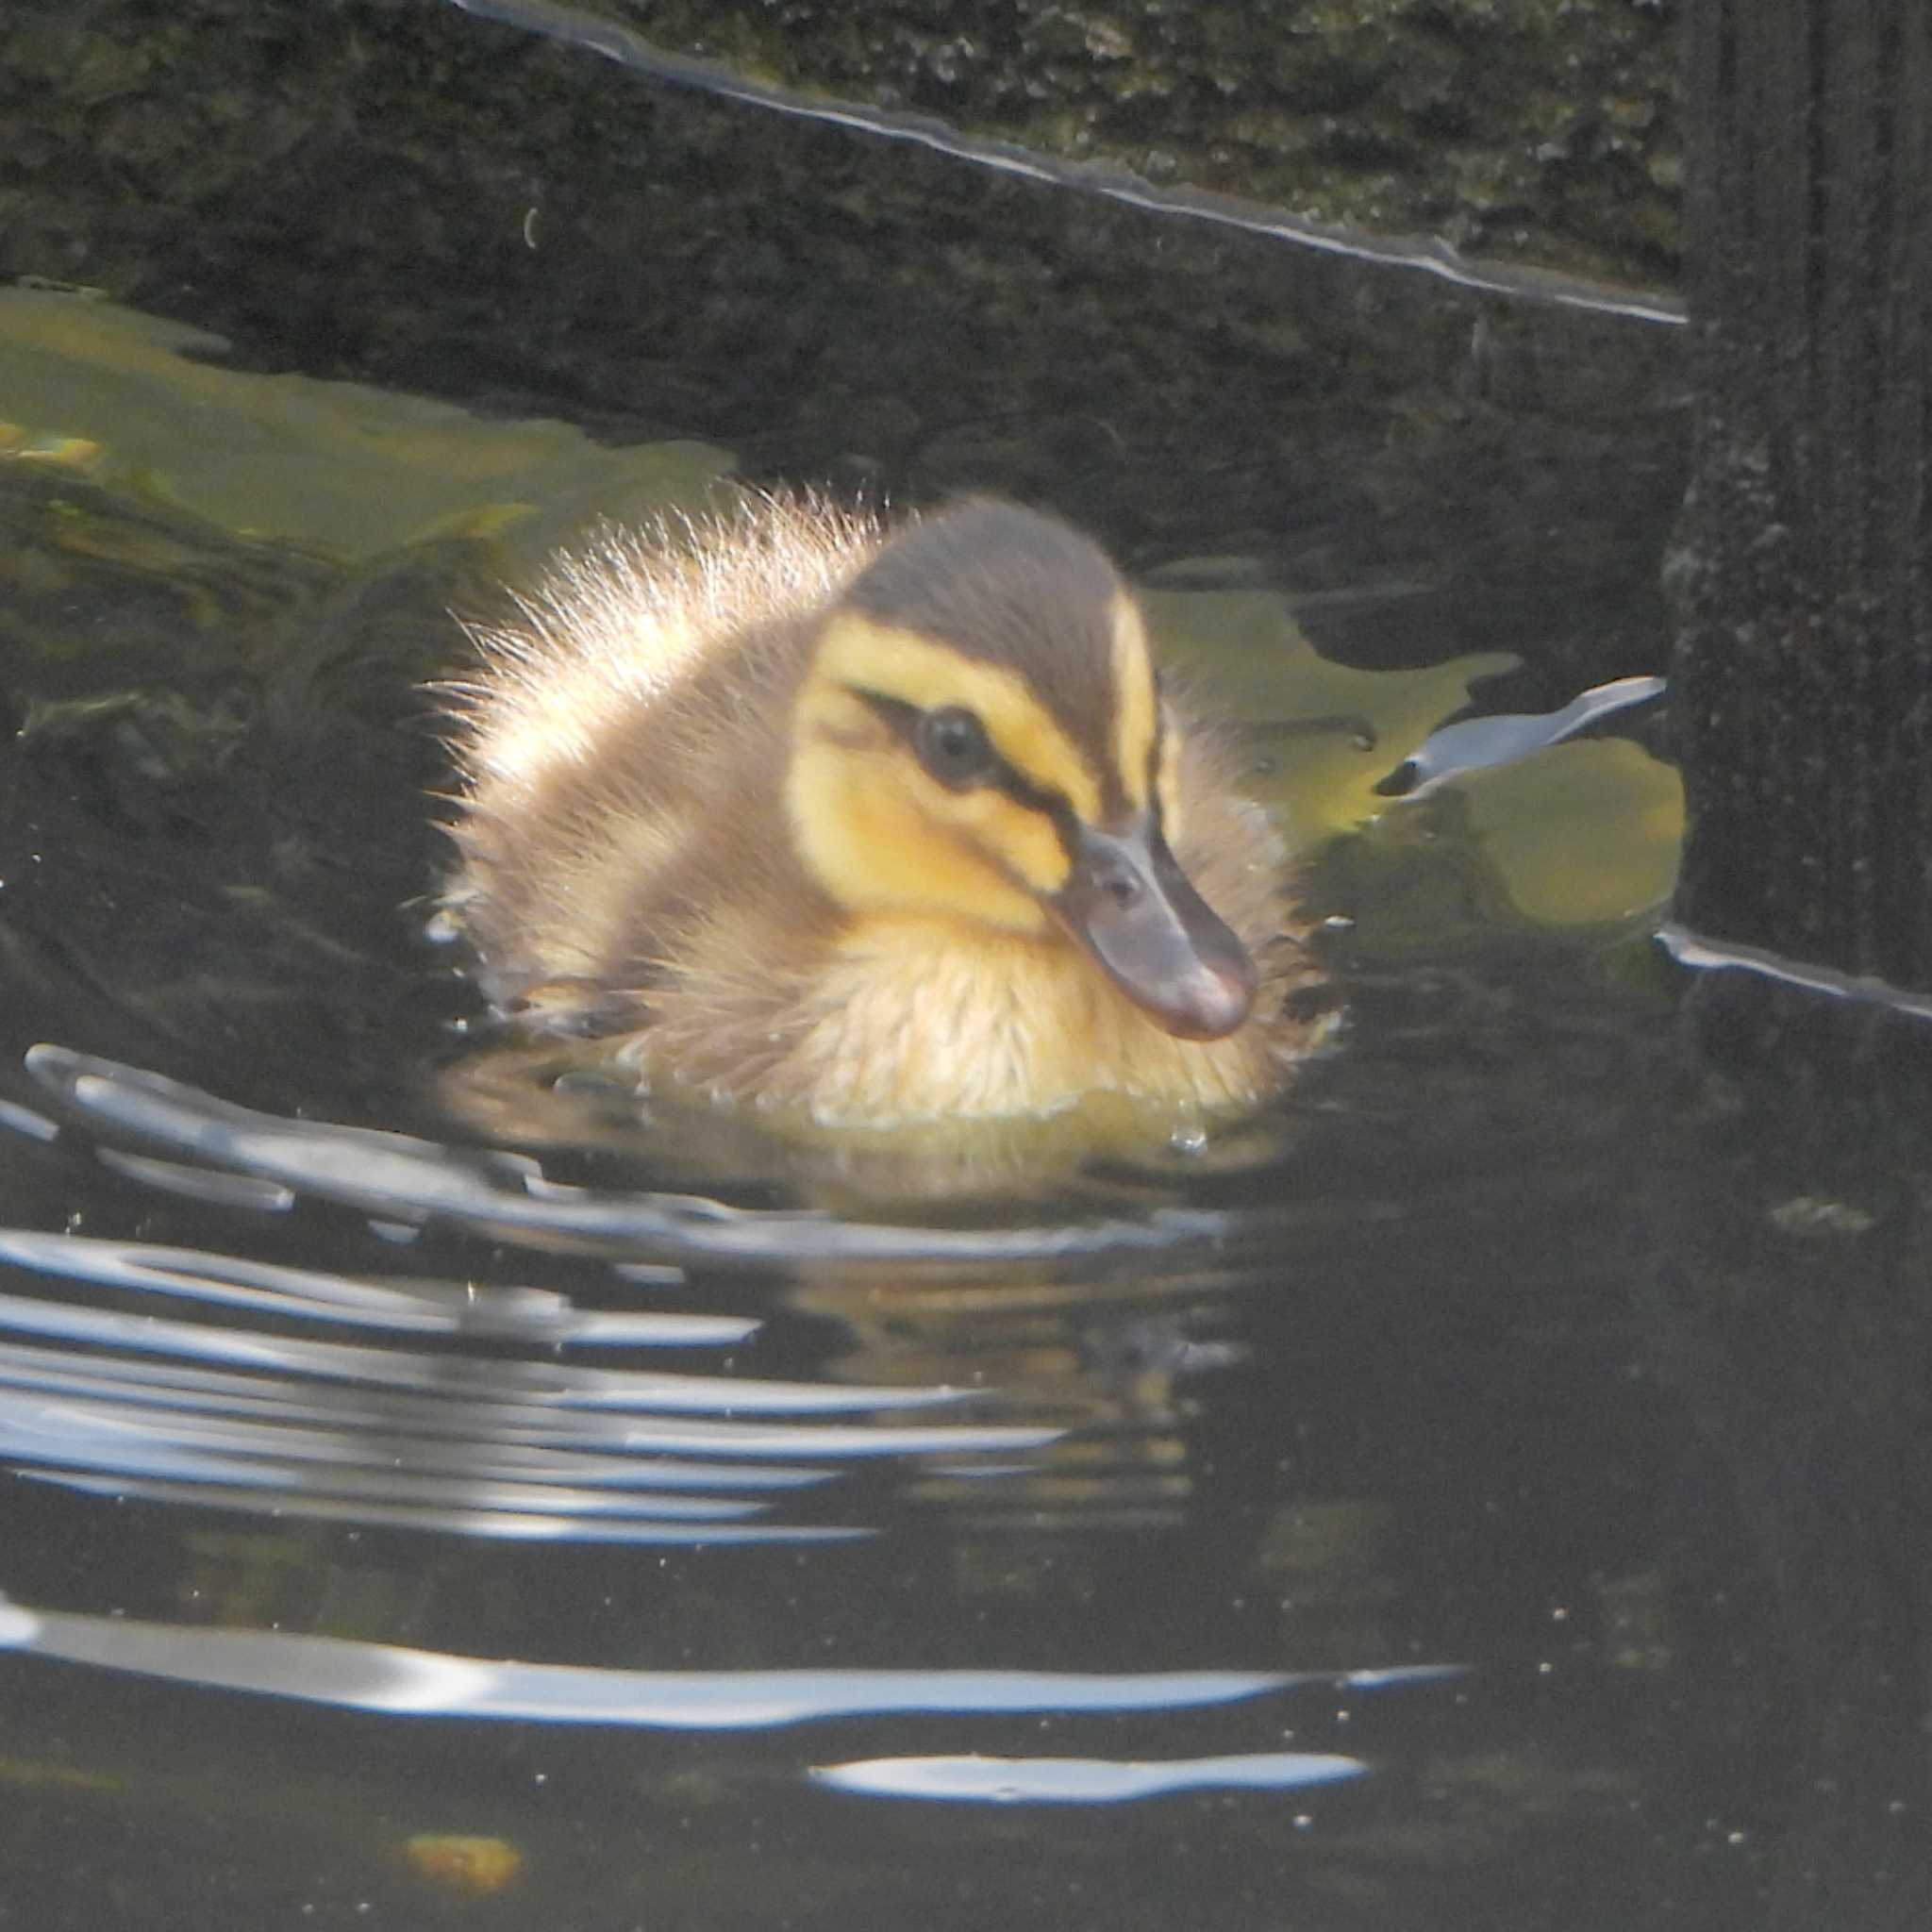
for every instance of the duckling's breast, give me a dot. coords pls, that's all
(916, 1020)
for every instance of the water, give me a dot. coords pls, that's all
(431, 1495)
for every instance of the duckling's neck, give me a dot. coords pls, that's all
(929, 1018)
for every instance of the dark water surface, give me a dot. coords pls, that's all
(1446, 1502)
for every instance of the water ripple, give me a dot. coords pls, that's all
(447, 1307)
(399, 1178)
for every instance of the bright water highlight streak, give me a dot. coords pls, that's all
(503, 1525)
(509, 1414)
(549, 1383)
(75, 1438)
(200, 1183)
(120, 1434)
(398, 1177)
(1689, 949)
(472, 1488)
(1425, 254)
(24, 1119)
(385, 1677)
(406, 1305)
(1080, 1780)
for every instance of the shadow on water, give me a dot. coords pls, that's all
(1481, 1490)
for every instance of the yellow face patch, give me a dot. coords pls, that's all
(884, 837)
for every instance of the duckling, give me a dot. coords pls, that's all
(868, 825)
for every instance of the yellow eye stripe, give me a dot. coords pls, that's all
(1168, 781)
(1135, 717)
(859, 654)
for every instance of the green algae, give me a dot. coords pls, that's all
(1583, 833)
(143, 405)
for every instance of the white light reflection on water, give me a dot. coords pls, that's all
(554, 1384)
(477, 1512)
(389, 1677)
(1081, 1780)
(200, 1183)
(441, 1308)
(518, 1414)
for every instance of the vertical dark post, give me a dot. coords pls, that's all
(1795, 1236)
(1804, 672)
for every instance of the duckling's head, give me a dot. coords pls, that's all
(980, 741)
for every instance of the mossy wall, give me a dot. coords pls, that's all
(1546, 130)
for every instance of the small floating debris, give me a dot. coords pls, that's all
(1474, 744)
(471, 1867)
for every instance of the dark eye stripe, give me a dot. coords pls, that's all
(902, 718)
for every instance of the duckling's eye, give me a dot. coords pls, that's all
(953, 745)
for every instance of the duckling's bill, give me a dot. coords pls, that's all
(1131, 906)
